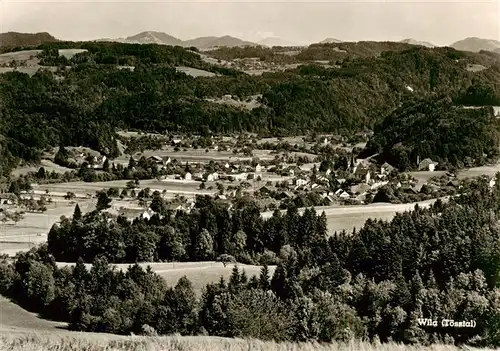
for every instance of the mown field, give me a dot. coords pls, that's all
(33, 228)
(181, 187)
(48, 165)
(199, 273)
(38, 341)
(348, 217)
(199, 155)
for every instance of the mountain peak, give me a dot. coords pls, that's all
(152, 37)
(330, 41)
(475, 44)
(416, 42)
(275, 41)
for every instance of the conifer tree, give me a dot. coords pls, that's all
(77, 214)
(264, 278)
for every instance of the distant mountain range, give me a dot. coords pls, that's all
(274, 41)
(416, 42)
(211, 42)
(477, 44)
(15, 39)
(151, 37)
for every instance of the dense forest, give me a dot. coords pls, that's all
(438, 130)
(441, 262)
(90, 96)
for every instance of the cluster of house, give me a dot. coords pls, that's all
(198, 172)
(369, 178)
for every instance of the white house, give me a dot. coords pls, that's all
(496, 111)
(492, 182)
(427, 164)
(147, 214)
(258, 168)
(377, 185)
(344, 195)
(212, 177)
(188, 176)
(241, 176)
(300, 182)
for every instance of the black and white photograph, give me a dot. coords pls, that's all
(201, 175)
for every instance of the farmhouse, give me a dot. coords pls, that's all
(360, 188)
(284, 195)
(264, 190)
(427, 164)
(155, 159)
(343, 194)
(148, 214)
(8, 199)
(363, 172)
(496, 111)
(492, 182)
(188, 176)
(301, 181)
(212, 177)
(386, 169)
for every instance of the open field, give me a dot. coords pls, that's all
(199, 273)
(172, 187)
(29, 56)
(199, 155)
(13, 317)
(38, 341)
(47, 164)
(28, 62)
(25, 55)
(489, 171)
(30, 70)
(347, 217)
(34, 227)
(194, 72)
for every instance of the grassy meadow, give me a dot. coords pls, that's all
(97, 342)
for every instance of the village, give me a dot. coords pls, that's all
(229, 169)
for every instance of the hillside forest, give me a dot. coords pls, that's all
(91, 95)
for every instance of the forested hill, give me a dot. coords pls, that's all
(12, 40)
(89, 96)
(448, 134)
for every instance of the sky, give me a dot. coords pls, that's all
(439, 22)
